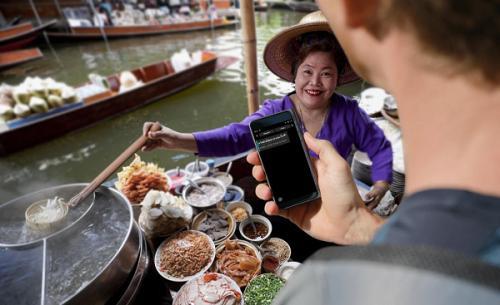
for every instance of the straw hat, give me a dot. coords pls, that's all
(279, 53)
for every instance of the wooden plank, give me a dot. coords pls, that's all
(12, 58)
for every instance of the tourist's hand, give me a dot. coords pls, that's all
(375, 195)
(340, 215)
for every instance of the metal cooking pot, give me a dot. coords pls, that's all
(86, 261)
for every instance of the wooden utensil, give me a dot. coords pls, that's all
(91, 187)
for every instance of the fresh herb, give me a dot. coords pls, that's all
(263, 289)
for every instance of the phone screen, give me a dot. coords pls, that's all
(285, 159)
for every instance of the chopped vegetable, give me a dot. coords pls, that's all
(263, 289)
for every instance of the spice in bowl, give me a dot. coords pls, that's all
(240, 210)
(279, 247)
(259, 232)
(263, 289)
(270, 262)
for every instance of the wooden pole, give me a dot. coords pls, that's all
(250, 54)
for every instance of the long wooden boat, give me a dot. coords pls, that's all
(159, 80)
(20, 36)
(112, 32)
(13, 58)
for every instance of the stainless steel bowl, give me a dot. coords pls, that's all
(85, 262)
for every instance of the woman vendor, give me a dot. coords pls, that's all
(308, 55)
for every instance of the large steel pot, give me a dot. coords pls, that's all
(84, 262)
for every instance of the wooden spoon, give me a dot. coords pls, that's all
(91, 187)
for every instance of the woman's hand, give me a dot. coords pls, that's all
(340, 215)
(375, 195)
(168, 138)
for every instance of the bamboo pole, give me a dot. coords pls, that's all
(250, 54)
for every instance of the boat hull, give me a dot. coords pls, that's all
(13, 58)
(115, 32)
(21, 36)
(76, 117)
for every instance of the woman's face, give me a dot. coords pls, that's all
(316, 80)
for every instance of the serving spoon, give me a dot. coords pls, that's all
(92, 186)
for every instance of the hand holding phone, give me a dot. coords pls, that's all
(285, 159)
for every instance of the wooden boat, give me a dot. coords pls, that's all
(159, 80)
(303, 6)
(20, 36)
(12, 58)
(112, 32)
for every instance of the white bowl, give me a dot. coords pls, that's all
(186, 278)
(256, 219)
(239, 204)
(175, 182)
(202, 172)
(183, 298)
(224, 177)
(288, 251)
(287, 269)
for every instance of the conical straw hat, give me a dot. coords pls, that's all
(280, 53)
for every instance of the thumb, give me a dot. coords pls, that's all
(322, 148)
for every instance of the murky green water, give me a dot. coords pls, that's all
(81, 155)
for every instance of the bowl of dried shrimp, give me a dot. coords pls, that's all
(184, 256)
(238, 259)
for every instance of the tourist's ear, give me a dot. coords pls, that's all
(360, 13)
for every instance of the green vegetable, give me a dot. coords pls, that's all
(262, 289)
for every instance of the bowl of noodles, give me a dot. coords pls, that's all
(184, 256)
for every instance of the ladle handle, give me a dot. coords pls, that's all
(91, 187)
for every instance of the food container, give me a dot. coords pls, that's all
(280, 248)
(286, 270)
(184, 256)
(218, 224)
(263, 226)
(213, 190)
(234, 193)
(209, 289)
(238, 259)
(240, 210)
(177, 177)
(263, 289)
(87, 260)
(224, 177)
(195, 172)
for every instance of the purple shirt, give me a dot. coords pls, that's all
(345, 125)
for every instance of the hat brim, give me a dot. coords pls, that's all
(279, 54)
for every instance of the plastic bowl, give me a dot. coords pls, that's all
(201, 172)
(239, 204)
(257, 219)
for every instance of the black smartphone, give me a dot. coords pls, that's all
(285, 159)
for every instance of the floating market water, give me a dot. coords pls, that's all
(80, 155)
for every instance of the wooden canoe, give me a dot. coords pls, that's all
(112, 32)
(20, 36)
(13, 58)
(159, 80)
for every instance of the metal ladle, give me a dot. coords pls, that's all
(40, 206)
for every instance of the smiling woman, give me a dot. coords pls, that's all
(309, 56)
